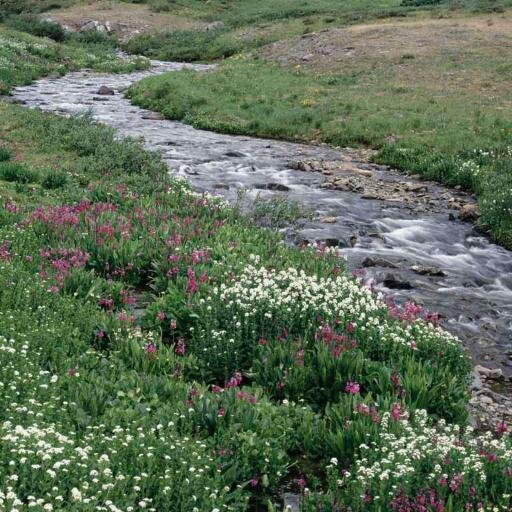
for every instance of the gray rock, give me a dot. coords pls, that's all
(396, 283)
(415, 187)
(153, 116)
(490, 373)
(234, 154)
(486, 400)
(95, 26)
(105, 91)
(279, 187)
(476, 381)
(369, 195)
(377, 262)
(428, 271)
(216, 25)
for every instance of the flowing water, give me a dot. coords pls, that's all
(474, 296)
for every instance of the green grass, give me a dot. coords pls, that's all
(246, 12)
(24, 57)
(249, 24)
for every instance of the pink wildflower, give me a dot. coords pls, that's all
(352, 387)
(180, 347)
(396, 411)
(150, 348)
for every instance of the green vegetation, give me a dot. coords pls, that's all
(160, 351)
(24, 57)
(193, 358)
(245, 24)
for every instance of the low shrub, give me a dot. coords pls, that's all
(5, 154)
(54, 179)
(36, 26)
(19, 173)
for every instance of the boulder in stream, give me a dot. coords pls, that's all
(396, 283)
(105, 91)
(469, 212)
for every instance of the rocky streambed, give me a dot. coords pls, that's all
(415, 239)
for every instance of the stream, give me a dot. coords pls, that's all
(471, 284)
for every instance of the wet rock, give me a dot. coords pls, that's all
(469, 212)
(396, 283)
(153, 116)
(234, 154)
(415, 187)
(353, 240)
(428, 271)
(100, 98)
(489, 373)
(277, 187)
(303, 166)
(328, 220)
(377, 262)
(105, 91)
(369, 195)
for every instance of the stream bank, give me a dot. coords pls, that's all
(398, 231)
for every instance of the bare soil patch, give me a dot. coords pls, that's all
(403, 42)
(126, 19)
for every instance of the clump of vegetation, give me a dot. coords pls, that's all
(184, 45)
(36, 26)
(25, 57)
